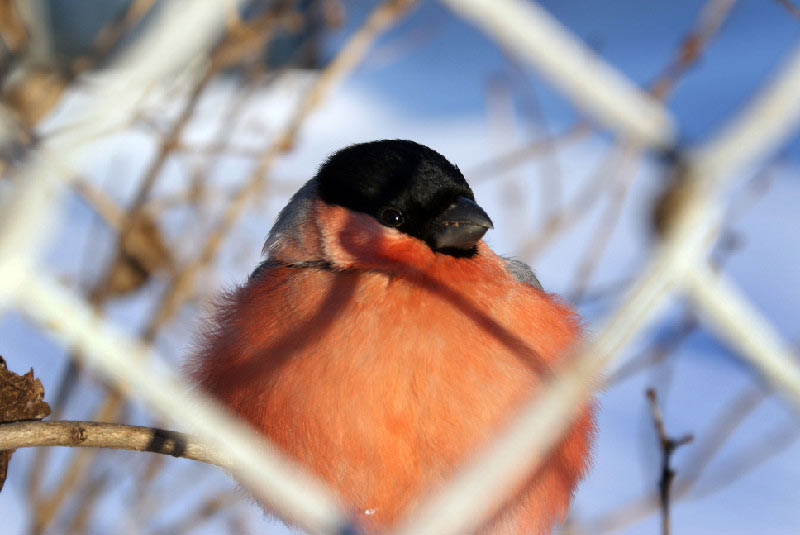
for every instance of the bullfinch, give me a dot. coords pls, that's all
(381, 342)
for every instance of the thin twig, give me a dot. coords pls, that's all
(668, 447)
(708, 24)
(496, 166)
(790, 7)
(747, 460)
(625, 173)
(717, 435)
(550, 173)
(200, 514)
(577, 208)
(110, 35)
(92, 494)
(657, 353)
(706, 449)
(532, 33)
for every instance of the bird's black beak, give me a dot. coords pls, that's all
(460, 226)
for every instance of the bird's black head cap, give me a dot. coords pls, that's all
(407, 186)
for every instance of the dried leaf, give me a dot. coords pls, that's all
(35, 95)
(12, 28)
(21, 398)
(144, 252)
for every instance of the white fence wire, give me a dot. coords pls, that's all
(679, 265)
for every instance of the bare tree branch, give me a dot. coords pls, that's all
(532, 33)
(790, 7)
(668, 447)
(73, 434)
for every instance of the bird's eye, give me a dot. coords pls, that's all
(392, 217)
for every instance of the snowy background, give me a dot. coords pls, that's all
(439, 81)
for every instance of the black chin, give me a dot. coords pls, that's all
(459, 253)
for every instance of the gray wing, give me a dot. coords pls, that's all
(522, 272)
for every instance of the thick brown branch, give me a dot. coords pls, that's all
(17, 435)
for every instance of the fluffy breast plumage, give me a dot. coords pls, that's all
(382, 384)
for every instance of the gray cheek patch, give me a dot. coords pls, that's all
(522, 272)
(292, 215)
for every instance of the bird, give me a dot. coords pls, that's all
(381, 343)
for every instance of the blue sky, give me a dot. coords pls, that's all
(447, 73)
